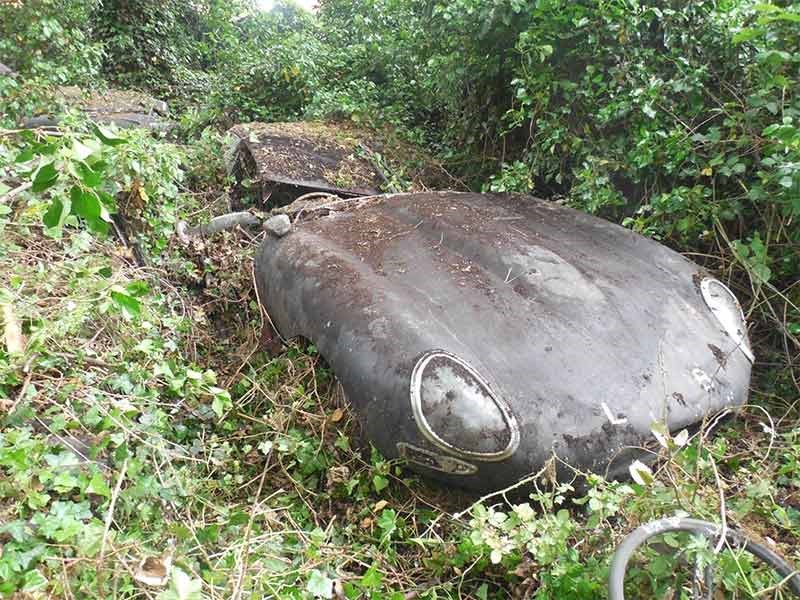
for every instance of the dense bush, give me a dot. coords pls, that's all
(166, 45)
(47, 42)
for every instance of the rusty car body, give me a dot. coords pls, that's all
(277, 162)
(479, 335)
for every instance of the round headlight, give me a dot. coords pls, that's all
(729, 313)
(456, 410)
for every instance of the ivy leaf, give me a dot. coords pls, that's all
(24, 156)
(91, 539)
(380, 483)
(221, 402)
(137, 288)
(81, 151)
(387, 523)
(482, 593)
(98, 486)
(33, 580)
(131, 308)
(641, 473)
(372, 578)
(186, 588)
(45, 177)
(319, 585)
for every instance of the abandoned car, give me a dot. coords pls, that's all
(123, 108)
(479, 335)
(274, 163)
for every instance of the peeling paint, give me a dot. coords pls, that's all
(703, 380)
(547, 271)
(612, 419)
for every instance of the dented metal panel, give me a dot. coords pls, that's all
(287, 159)
(476, 335)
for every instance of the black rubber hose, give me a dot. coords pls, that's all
(619, 563)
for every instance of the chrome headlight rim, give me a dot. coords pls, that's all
(428, 432)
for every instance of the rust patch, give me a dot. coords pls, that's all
(719, 355)
(680, 399)
(697, 279)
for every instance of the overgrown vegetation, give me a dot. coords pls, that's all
(145, 436)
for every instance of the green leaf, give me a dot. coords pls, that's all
(137, 288)
(121, 453)
(482, 593)
(81, 151)
(45, 177)
(108, 201)
(351, 591)
(766, 7)
(107, 136)
(372, 578)
(319, 585)
(779, 15)
(89, 176)
(745, 35)
(85, 204)
(98, 226)
(388, 519)
(56, 213)
(98, 486)
(221, 402)
(182, 587)
(380, 483)
(91, 539)
(33, 580)
(238, 518)
(186, 588)
(130, 306)
(25, 156)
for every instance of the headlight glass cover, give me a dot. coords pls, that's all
(456, 410)
(728, 312)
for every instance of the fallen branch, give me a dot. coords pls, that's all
(12, 333)
(221, 223)
(15, 192)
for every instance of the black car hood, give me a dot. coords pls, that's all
(569, 334)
